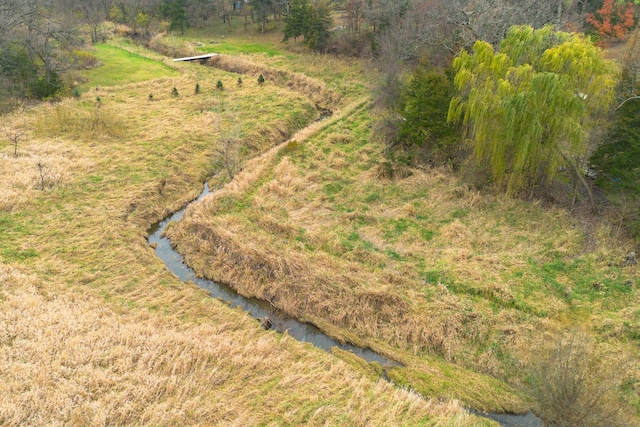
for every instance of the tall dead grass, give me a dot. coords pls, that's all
(95, 331)
(314, 89)
(22, 180)
(69, 359)
(94, 120)
(413, 265)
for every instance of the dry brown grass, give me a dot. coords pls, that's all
(413, 265)
(95, 331)
(313, 88)
(69, 359)
(21, 177)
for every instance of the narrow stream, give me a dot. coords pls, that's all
(512, 420)
(301, 331)
(259, 309)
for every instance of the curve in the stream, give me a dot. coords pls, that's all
(260, 309)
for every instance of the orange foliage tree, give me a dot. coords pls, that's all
(614, 20)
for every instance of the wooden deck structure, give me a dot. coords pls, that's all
(196, 58)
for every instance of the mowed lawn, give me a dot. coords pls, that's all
(119, 66)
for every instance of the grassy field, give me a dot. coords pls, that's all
(94, 330)
(119, 66)
(415, 263)
(459, 285)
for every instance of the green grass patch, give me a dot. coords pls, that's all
(234, 39)
(460, 213)
(10, 255)
(479, 392)
(120, 66)
(239, 48)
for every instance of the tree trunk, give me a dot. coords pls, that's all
(559, 14)
(585, 184)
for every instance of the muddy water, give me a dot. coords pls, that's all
(301, 331)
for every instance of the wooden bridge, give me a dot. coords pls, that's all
(197, 58)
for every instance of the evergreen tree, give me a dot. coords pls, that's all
(529, 107)
(176, 12)
(319, 20)
(425, 111)
(299, 11)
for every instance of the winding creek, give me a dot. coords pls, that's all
(260, 310)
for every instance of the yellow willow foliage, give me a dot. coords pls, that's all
(532, 102)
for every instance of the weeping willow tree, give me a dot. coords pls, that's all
(529, 107)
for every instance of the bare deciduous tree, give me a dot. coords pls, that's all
(14, 134)
(94, 13)
(354, 10)
(227, 125)
(574, 384)
(41, 171)
(630, 83)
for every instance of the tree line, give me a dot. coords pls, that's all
(513, 93)
(413, 43)
(41, 39)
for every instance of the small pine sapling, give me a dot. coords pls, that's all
(197, 88)
(239, 81)
(174, 92)
(260, 79)
(219, 85)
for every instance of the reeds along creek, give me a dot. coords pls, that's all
(270, 317)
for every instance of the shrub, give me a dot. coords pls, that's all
(45, 89)
(219, 85)
(17, 69)
(617, 162)
(426, 104)
(574, 385)
(197, 90)
(85, 60)
(174, 91)
(260, 79)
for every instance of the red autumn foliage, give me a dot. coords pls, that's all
(614, 20)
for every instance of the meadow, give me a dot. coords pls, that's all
(458, 284)
(415, 262)
(94, 330)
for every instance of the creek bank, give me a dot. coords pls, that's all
(259, 309)
(271, 318)
(315, 89)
